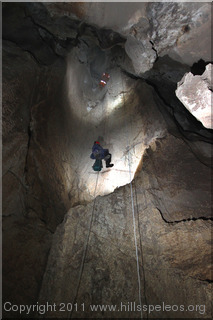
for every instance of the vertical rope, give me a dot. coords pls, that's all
(85, 251)
(104, 119)
(136, 246)
(133, 217)
(141, 246)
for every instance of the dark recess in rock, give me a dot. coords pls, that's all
(198, 68)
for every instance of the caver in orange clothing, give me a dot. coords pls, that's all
(105, 77)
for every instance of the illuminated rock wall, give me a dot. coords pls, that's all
(173, 231)
(123, 114)
(53, 110)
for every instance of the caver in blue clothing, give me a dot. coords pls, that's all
(100, 153)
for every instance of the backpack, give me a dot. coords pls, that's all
(97, 166)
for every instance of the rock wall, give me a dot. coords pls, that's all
(33, 122)
(95, 263)
(17, 68)
(117, 115)
(49, 149)
(53, 110)
(21, 229)
(154, 28)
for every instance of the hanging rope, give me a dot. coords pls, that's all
(90, 226)
(88, 235)
(136, 246)
(140, 236)
(85, 250)
(133, 215)
(104, 119)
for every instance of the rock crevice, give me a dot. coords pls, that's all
(185, 220)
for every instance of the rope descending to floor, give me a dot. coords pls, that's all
(133, 213)
(85, 250)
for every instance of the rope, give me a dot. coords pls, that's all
(85, 251)
(136, 246)
(104, 119)
(133, 218)
(141, 247)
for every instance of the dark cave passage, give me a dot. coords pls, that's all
(136, 233)
(198, 68)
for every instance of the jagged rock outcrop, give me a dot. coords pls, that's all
(141, 54)
(173, 28)
(195, 92)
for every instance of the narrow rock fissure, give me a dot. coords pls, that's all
(153, 48)
(206, 280)
(184, 220)
(28, 148)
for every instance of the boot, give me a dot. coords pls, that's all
(109, 165)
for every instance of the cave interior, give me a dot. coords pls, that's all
(136, 234)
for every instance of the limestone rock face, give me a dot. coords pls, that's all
(195, 92)
(97, 114)
(46, 175)
(141, 54)
(19, 28)
(18, 69)
(26, 225)
(93, 251)
(54, 55)
(26, 244)
(180, 189)
(173, 28)
(28, 147)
